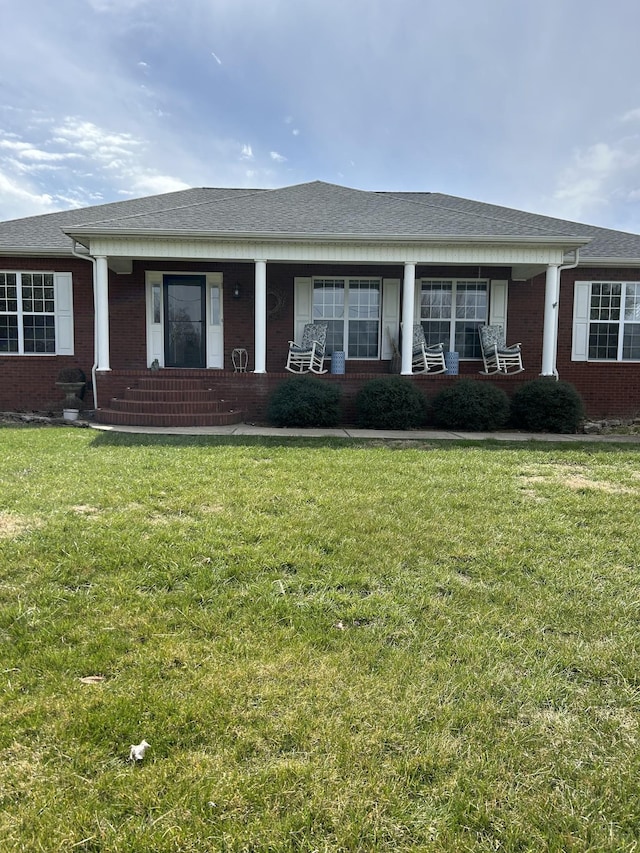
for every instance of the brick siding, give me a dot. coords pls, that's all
(28, 382)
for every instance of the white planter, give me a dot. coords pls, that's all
(70, 414)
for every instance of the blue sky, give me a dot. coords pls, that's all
(534, 105)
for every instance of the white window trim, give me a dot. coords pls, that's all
(62, 314)
(496, 304)
(345, 337)
(582, 322)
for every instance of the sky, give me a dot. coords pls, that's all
(532, 104)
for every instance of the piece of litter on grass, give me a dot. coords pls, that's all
(137, 751)
(92, 679)
(340, 626)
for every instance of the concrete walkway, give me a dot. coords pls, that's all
(380, 434)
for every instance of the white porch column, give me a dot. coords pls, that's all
(261, 317)
(102, 312)
(550, 331)
(408, 299)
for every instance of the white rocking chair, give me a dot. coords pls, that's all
(497, 356)
(426, 359)
(308, 355)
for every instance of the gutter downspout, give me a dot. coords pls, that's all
(94, 366)
(561, 269)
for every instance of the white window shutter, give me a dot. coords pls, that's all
(64, 313)
(498, 304)
(302, 305)
(581, 306)
(390, 316)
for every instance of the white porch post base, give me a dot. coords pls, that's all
(549, 335)
(260, 362)
(102, 313)
(408, 299)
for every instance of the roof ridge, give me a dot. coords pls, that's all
(481, 215)
(170, 208)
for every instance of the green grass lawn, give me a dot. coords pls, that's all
(329, 645)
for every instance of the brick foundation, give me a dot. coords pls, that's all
(250, 392)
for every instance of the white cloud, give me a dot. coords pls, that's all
(89, 162)
(14, 145)
(23, 200)
(152, 184)
(246, 153)
(25, 151)
(217, 58)
(277, 157)
(46, 156)
(117, 7)
(104, 146)
(599, 176)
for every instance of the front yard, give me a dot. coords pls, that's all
(329, 645)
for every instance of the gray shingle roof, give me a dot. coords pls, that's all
(319, 209)
(42, 233)
(314, 209)
(603, 242)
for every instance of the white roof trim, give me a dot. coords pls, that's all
(276, 236)
(23, 252)
(608, 262)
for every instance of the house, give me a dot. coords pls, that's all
(181, 280)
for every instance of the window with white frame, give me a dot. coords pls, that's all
(29, 320)
(451, 311)
(614, 321)
(351, 309)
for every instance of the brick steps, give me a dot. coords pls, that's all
(163, 402)
(109, 416)
(161, 396)
(171, 407)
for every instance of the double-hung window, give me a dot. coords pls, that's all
(451, 311)
(351, 309)
(35, 313)
(614, 321)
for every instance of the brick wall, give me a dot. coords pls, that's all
(28, 382)
(609, 389)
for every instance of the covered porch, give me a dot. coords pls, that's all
(179, 307)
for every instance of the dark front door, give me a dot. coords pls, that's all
(184, 327)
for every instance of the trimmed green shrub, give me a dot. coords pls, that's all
(390, 403)
(545, 405)
(471, 405)
(305, 402)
